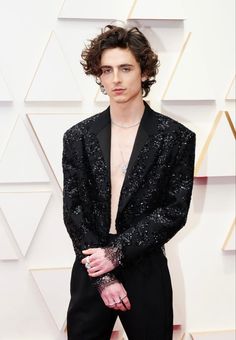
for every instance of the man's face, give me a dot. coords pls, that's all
(121, 75)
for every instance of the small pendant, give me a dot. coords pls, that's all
(124, 169)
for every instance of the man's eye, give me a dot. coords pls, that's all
(106, 70)
(126, 69)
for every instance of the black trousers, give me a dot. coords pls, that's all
(148, 285)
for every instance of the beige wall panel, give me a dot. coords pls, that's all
(229, 244)
(157, 9)
(5, 95)
(103, 9)
(49, 130)
(25, 315)
(20, 162)
(207, 272)
(161, 34)
(231, 94)
(53, 79)
(214, 335)
(190, 80)
(7, 249)
(51, 246)
(23, 212)
(6, 127)
(54, 285)
(217, 157)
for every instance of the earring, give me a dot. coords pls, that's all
(102, 88)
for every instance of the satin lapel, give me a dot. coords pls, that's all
(104, 138)
(98, 144)
(102, 130)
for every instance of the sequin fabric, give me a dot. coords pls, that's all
(114, 254)
(154, 199)
(104, 281)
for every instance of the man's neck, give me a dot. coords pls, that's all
(127, 113)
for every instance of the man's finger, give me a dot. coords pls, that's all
(94, 269)
(121, 306)
(98, 273)
(89, 251)
(94, 262)
(111, 304)
(85, 260)
(126, 302)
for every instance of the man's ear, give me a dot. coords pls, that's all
(144, 77)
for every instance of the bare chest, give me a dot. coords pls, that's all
(122, 143)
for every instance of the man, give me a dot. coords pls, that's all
(128, 176)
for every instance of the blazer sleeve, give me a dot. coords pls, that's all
(165, 221)
(82, 237)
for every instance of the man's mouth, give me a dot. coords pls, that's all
(118, 90)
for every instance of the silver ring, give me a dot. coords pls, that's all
(87, 264)
(120, 302)
(121, 299)
(112, 304)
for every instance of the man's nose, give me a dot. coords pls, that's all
(116, 76)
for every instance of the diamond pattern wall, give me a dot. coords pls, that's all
(5, 95)
(23, 212)
(53, 79)
(20, 162)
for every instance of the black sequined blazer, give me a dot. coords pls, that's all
(155, 195)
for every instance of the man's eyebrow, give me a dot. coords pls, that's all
(121, 65)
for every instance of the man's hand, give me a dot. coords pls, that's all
(115, 296)
(96, 262)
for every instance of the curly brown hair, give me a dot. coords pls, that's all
(115, 36)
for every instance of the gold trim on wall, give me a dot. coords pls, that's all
(52, 34)
(177, 64)
(49, 164)
(210, 137)
(62, 6)
(207, 143)
(37, 68)
(230, 87)
(186, 334)
(49, 269)
(233, 226)
(132, 9)
(9, 137)
(231, 124)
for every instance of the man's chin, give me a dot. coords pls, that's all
(120, 100)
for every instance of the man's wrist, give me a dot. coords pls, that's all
(105, 281)
(114, 254)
